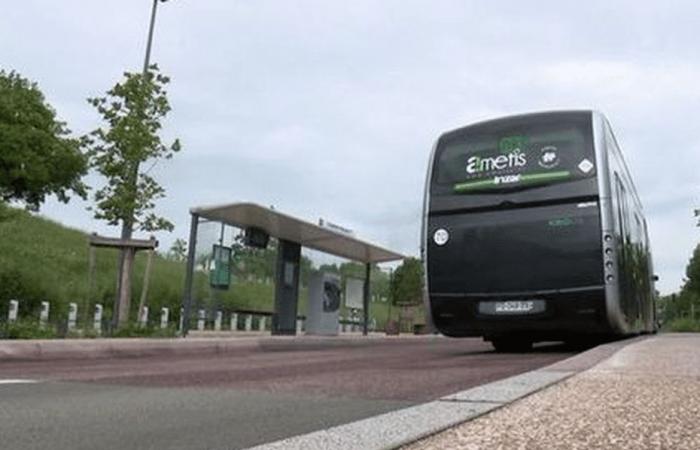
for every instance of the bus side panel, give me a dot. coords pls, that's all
(615, 316)
(633, 278)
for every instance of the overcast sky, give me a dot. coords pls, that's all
(329, 108)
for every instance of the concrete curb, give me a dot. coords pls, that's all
(397, 428)
(63, 349)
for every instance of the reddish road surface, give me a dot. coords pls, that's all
(284, 388)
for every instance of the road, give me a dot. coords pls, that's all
(234, 401)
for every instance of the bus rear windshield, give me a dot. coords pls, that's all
(514, 158)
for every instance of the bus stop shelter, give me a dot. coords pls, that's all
(292, 234)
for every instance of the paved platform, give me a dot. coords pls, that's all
(644, 396)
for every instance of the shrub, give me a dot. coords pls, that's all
(684, 324)
(24, 329)
(134, 330)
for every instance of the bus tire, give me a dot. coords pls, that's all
(511, 345)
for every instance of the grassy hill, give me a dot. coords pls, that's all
(41, 260)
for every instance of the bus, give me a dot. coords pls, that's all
(533, 231)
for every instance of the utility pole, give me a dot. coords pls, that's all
(126, 256)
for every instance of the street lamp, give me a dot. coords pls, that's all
(127, 226)
(150, 34)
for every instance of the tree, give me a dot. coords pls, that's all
(406, 286)
(37, 156)
(178, 251)
(132, 110)
(692, 273)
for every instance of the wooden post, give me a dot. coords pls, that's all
(146, 279)
(91, 281)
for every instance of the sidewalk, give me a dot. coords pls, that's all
(647, 395)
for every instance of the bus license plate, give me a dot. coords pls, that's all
(512, 307)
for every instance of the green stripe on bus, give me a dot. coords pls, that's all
(524, 179)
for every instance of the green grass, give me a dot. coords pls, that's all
(684, 324)
(26, 329)
(41, 260)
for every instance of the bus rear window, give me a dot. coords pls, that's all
(516, 158)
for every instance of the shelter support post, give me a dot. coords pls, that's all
(189, 275)
(284, 319)
(365, 299)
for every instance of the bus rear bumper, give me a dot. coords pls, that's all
(565, 315)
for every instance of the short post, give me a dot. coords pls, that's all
(261, 324)
(200, 319)
(143, 317)
(12, 312)
(365, 299)
(234, 322)
(44, 314)
(300, 325)
(97, 319)
(164, 313)
(72, 315)
(182, 320)
(217, 320)
(249, 322)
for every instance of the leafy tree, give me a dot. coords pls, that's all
(178, 251)
(406, 286)
(133, 111)
(37, 156)
(692, 273)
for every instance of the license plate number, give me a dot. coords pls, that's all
(512, 307)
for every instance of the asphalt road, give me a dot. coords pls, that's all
(236, 401)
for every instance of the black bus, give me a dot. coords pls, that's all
(533, 231)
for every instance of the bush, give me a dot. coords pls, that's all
(134, 330)
(684, 324)
(23, 329)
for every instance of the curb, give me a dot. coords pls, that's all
(397, 428)
(66, 349)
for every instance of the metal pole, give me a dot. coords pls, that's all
(365, 299)
(189, 274)
(147, 59)
(127, 225)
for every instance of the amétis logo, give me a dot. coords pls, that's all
(478, 164)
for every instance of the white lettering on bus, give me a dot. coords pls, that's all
(476, 164)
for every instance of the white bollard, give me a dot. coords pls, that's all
(300, 325)
(143, 317)
(72, 315)
(249, 322)
(12, 312)
(97, 319)
(217, 320)
(200, 319)
(234, 322)
(164, 313)
(261, 324)
(182, 318)
(44, 314)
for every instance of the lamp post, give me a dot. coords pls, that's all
(126, 256)
(146, 60)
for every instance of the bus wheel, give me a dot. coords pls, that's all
(511, 345)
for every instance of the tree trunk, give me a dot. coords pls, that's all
(125, 288)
